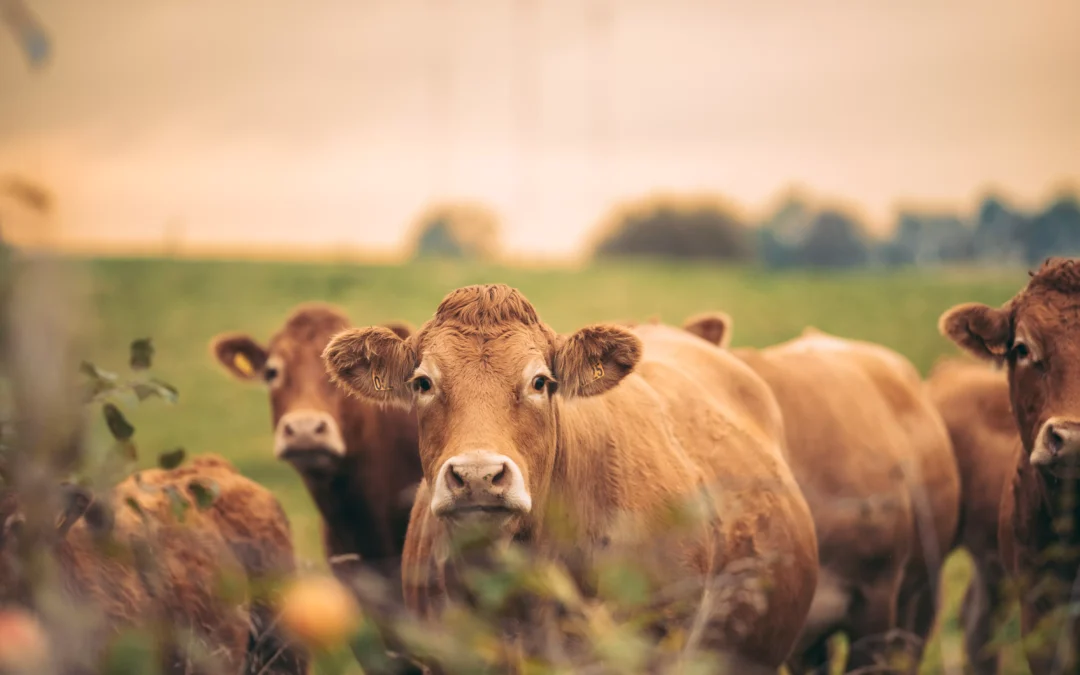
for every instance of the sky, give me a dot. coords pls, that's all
(331, 125)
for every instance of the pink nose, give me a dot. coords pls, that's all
(480, 481)
(306, 433)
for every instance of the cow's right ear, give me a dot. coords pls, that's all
(240, 354)
(373, 363)
(980, 330)
(714, 327)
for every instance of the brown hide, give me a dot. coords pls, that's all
(974, 402)
(1035, 336)
(363, 472)
(864, 444)
(617, 426)
(121, 569)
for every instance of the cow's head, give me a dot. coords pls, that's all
(1037, 335)
(484, 375)
(312, 417)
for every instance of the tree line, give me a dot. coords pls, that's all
(796, 234)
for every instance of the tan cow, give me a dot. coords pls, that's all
(121, 568)
(870, 453)
(619, 426)
(358, 460)
(974, 402)
(1035, 335)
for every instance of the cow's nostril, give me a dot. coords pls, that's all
(320, 428)
(453, 480)
(289, 430)
(502, 478)
(1054, 440)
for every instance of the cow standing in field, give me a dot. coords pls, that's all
(125, 568)
(616, 428)
(869, 451)
(359, 461)
(974, 402)
(1036, 335)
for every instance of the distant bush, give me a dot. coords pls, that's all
(668, 227)
(1055, 231)
(462, 230)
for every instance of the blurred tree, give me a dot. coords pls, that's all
(999, 233)
(675, 227)
(929, 239)
(835, 240)
(781, 234)
(1055, 231)
(457, 230)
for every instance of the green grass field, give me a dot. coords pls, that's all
(183, 304)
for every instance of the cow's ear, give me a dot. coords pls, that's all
(715, 327)
(373, 363)
(595, 359)
(240, 354)
(980, 330)
(403, 329)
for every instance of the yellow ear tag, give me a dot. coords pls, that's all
(243, 365)
(597, 371)
(377, 382)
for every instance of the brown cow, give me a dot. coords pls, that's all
(860, 434)
(974, 402)
(1035, 335)
(123, 568)
(618, 427)
(358, 460)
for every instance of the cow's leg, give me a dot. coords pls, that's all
(980, 611)
(871, 616)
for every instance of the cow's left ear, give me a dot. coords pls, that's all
(595, 359)
(714, 327)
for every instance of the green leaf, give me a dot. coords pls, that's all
(171, 459)
(119, 427)
(127, 451)
(153, 387)
(205, 493)
(142, 353)
(92, 371)
(135, 506)
(177, 503)
(100, 381)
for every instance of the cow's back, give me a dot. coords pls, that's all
(933, 477)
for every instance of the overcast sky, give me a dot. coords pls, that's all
(333, 122)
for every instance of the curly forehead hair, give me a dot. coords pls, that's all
(1060, 275)
(484, 307)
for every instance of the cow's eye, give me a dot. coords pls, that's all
(539, 383)
(1021, 352)
(422, 384)
(270, 374)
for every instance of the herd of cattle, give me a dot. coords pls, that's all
(825, 473)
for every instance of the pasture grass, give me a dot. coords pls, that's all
(183, 304)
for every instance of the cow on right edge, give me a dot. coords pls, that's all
(1035, 335)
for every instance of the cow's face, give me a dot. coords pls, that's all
(483, 377)
(311, 416)
(1037, 335)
